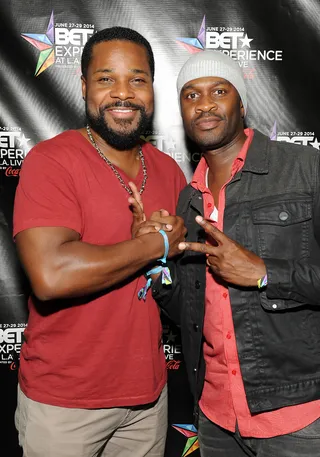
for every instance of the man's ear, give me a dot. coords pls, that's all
(242, 109)
(83, 87)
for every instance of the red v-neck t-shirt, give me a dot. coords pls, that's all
(104, 351)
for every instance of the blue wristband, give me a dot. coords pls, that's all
(154, 271)
(166, 246)
(166, 277)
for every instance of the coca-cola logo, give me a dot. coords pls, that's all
(10, 171)
(173, 364)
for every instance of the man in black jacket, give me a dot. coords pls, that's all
(246, 291)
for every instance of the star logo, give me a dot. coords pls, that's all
(171, 145)
(171, 337)
(191, 433)
(246, 41)
(198, 44)
(23, 142)
(315, 143)
(44, 42)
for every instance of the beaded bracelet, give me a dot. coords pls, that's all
(165, 272)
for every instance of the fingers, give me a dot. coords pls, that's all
(216, 234)
(196, 247)
(136, 207)
(211, 230)
(159, 226)
(136, 194)
(137, 210)
(158, 215)
(153, 228)
(164, 213)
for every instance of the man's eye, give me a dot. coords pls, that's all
(219, 91)
(192, 96)
(105, 79)
(138, 80)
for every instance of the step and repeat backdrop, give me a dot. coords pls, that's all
(277, 45)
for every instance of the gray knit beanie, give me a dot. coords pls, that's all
(216, 64)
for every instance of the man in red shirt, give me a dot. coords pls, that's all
(246, 293)
(92, 377)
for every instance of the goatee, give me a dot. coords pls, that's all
(127, 139)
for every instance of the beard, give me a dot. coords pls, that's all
(124, 138)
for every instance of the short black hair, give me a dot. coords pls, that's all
(111, 34)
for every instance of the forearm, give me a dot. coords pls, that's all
(79, 268)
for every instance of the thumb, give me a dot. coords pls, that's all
(164, 213)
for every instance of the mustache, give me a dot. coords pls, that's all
(208, 115)
(119, 104)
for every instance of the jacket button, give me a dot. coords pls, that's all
(283, 216)
(195, 327)
(274, 306)
(195, 370)
(197, 284)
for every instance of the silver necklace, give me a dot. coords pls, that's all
(115, 171)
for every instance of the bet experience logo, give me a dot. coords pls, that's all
(11, 336)
(233, 41)
(61, 45)
(13, 149)
(167, 144)
(301, 138)
(159, 141)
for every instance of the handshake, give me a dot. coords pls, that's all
(159, 220)
(226, 258)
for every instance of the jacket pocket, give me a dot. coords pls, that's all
(282, 228)
(277, 304)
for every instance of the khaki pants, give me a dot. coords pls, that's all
(51, 431)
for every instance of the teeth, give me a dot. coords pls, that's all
(122, 110)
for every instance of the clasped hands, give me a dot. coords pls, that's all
(225, 257)
(159, 220)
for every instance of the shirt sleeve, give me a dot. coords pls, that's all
(46, 195)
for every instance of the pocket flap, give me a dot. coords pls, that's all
(282, 213)
(278, 304)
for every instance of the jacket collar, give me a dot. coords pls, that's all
(196, 201)
(257, 160)
(191, 197)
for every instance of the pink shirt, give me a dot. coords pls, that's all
(223, 398)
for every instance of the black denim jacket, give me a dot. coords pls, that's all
(273, 209)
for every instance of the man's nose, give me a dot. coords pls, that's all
(206, 103)
(121, 90)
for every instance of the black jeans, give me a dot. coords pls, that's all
(217, 442)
